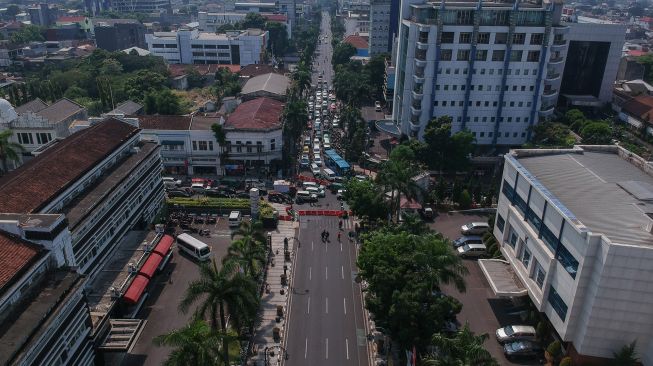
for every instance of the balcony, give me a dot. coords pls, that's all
(417, 95)
(549, 96)
(559, 45)
(551, 77)
(420, 63)
(547, 110)
(422, 45)
(426, 28)
(415, 111)
(414, 127)
(418, 79)
(560, 29)
(556, 60)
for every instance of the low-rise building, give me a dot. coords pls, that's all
(575, 227)
(195, 47)
(271, 85)
(211, 22)
(360, 44)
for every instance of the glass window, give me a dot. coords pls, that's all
(557, 303)
(516, 55)
(539, 274)
(445, 55)
(533, 219)
(463, 55)
(533, 56)
(518, 38)
(481, 55)
(194, 145)
(501, 222)
(465, 37)
(483, 38)
(25, 138)
(498, 55)
(447, 37)
(501, 38)
(526, 254)
(536, 38)
(549, 238)
(512, 237)
(567, 260)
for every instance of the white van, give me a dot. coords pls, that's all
(315, 169)
(329, 174)
(170, 181)
(235, 218)
(193, 247)
(312, 184)
(316, 191)
(472, 250)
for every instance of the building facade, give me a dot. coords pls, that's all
(141, 6)
(494, 67)
(195, 47)
(384, 19)
(119, 34)
(575, 227)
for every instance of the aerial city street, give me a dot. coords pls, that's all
(326, 183)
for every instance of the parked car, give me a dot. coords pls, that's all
(513, 333)
(340, 194)
(178, 193)
(467, 240)
(213, 192)
(472, 250)
(522, 349)
(474, 228)
(377, 106)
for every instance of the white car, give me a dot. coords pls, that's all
(318, 160)
(304, 161)
(315, 169)
(325, 104)
(326, 146)
(316, 148)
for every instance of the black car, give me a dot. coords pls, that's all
(242, 194)
(522, 349)
(178, 193)
(212, 192)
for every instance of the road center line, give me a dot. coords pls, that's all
(308, 306)
(306, 349)
(326, 273)
(311, 246)
(342, 272)
(327, 349)
(310, 273)
(344, 304)
(346, 347)
(341, 247)
(327, 304)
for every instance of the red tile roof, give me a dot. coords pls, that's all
(637, 53)
(356, 41)
(275, 17)
(16, 256)
(178, 69)
(256, 114)
(73, 19)
(255, 70)
(32, 186)
(640, 107)
(159, 122)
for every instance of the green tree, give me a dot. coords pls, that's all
(375, 70)
(219, 290)
(9, 150)
(194, 345)
(552, 134)
(627, 355)
(404, 273)
(396, 175)
(596, 133)
(342, 53)
(463, 349)
(278, 38)
(12, 10)
(111, 67)
(465, 200)
(26, 34)
(252, 20)
(249, 256)
(295, 119)
(446, 152)
(365, 200)
(220, 136)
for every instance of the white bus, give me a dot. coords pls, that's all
(193, 247)
(235, 218)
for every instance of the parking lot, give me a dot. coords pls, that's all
(484, 311)
(160, 309)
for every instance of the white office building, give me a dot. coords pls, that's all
(194, 47)
(379, 39)
(575, 227)
(140, 6)
(494, 67)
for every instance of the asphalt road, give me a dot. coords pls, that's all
(327, 321)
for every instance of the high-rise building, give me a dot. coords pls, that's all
(384, 20)
(494, 67)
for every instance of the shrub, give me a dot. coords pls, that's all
(210, 202)
(566, 362)
(554, 349)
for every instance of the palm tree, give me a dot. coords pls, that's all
(464, 349)
(8, 150)
(221, 138)
(250, 231)
(195, 344)
(627, 355)
(249, 255)
(397, 176)
(220, 290)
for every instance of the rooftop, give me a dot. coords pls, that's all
(16, 256)
(109, 22)
(127, 108)
(35, 314)
(256, 114)
(356, 41)
(60, 110)
(594, 185)
(164, 122)
(32, 186)
(272, 83)
(641, 107)
(34, 106)
(258, 69)
(204, 122)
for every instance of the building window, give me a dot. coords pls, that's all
(481, 55)
(501, 38)
(533, 56)
(194, 145)
(557, 303)
(536, 38)
(539, 274)
(239, 146)
(272, 145)
(483, 38)
(512, 237)
(211, 145)
(249, 146)
(498, 55)
(518, 38)
(25, 138)
(501, 222)
(465, 37)
(567, 260)
(203, 146)
(525, 254)
(445, 55)
(447, 37)
(515, 55)
(463, 55)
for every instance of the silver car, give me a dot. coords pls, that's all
(513, 333)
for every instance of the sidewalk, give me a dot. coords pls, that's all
(270, 301)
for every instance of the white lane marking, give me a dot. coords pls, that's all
(342, 272)
(327, 304)
(341, 247)
(310, 273)
(311, 246)
(306, 348)
(346, 346)
(308, 306)
(344, 304)
(327, 349)
(326, 273)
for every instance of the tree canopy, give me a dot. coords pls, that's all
(365, 199)
(342, 53)
(444, 151)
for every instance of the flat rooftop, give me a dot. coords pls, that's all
(487, 4)
(598, 188)
(85, 203)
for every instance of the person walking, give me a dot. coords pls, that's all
(338, 236)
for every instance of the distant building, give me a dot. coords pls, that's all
(119, 34)
(270, 85)
(141, 6)
(41, 15)
(128, 108)
(630, 69)
(360, 44)
(389, 83)
(194, 47)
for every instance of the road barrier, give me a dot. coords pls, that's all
(338, 213)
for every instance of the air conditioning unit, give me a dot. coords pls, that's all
(131, 268)
(114, 292)
(146, 245)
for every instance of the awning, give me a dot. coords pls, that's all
(136, 289)
(171, 142)
(502, 278)
(151, 264)
(389, 127)
(164, 245)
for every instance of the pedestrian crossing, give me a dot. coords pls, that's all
(325, 222)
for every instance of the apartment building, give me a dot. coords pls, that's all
(61, 216)
(211, 22)
(575, 227)
(494, 67)
(194, 47)
(384, 20)
(141, 6)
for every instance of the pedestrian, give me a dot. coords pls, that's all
(338, 236)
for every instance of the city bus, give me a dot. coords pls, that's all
(193, 247)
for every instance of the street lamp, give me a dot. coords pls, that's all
(286, 357)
